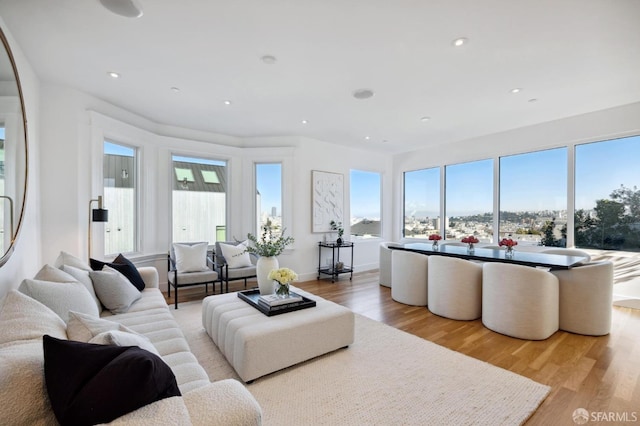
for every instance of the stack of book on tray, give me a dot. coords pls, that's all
(274, 302)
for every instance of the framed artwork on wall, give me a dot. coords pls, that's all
(327, 198)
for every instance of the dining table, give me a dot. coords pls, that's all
(526, 258)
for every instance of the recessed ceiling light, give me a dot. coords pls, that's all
(363, 93)
(304, 121)
(113, 74)
(175, 89)
(126, 8)
(516, 90)
(227, 102)
(269, 59)
(460, 41)
(366, 138)
(423, 119)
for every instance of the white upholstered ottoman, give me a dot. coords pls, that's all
(256, 345)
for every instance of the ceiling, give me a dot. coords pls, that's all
(568, 56)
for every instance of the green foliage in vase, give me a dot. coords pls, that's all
(337, 226)
(268, 245)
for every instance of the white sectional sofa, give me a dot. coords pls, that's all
(23, 391)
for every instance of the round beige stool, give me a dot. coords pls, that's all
(520, 301)
(586, 296)
(454, 288)
(409, 277)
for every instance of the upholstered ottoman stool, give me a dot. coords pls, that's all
(256, 345)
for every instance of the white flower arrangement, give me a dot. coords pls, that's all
(283, 275)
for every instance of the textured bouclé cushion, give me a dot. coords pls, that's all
(124, 266)
(65, 258)
(236, 256)
(90, 384)
(124, 338)
(191, 258)
(82, 327)
(114, 290)
(83, 277)
(61, 297)
(24, 318)
(49, 273)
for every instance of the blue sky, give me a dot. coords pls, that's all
(269, 184)
(530, 181)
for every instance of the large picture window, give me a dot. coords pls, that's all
(469, 200)
(533, 197)
(120, 198)
(365, 204)
(421, 203)
(269, 196)
(607, 198)
(199, 199)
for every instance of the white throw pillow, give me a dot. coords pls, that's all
(114, 290)
(236, 256)
(65, 258)
(82, 327)
(49, 273)
(122, 338)
(191, 258)
(61, 297)
(24, 318)
(83, 277)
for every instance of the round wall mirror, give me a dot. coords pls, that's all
(13, 152)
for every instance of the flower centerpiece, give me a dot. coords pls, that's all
(509, 244)
(435, 238)
(471, 240)
(283, 276)
(267, 247)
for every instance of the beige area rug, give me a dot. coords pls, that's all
(386, 377)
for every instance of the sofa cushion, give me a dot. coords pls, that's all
(124, 266)
(65, 258)
(124, 338)
(114, 290)
(236, 256)
(191, 257)
(90, 384)
(23, 396)
(83, 277)
(61, 297)
(82, 327)
(24, 318)
(49, 273)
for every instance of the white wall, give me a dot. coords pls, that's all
(26, 260)
(77, 124)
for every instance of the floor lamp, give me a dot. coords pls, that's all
(96, 215)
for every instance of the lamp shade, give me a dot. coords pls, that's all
(100, 215)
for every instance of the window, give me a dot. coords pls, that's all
(120, 198)
(469, 200)
(533, 197)
(269, 196)
(365, 204)
(199, 200)
(607, 198)
(422, 203)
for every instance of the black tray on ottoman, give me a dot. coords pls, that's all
(251, 297)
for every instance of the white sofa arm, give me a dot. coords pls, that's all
(226, 402)
(149, 275)
(168, 411)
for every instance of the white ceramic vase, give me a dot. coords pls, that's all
(263, 267)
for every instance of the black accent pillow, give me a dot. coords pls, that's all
(90, 384)
(124, 266)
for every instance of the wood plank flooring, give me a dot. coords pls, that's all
(600, 374)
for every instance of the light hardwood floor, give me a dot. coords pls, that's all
(600, 374)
